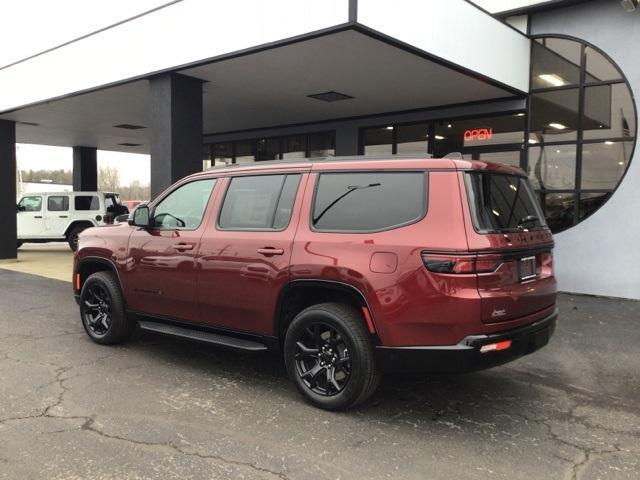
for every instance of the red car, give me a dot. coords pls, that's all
(349, 268)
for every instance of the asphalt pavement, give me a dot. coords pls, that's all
(157, 408)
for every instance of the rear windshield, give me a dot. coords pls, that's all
(502, 203)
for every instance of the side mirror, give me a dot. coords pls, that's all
(20, 208)
(141, 217)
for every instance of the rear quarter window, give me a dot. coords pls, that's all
(368, 201)
(86, 202)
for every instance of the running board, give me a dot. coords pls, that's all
(207, 337)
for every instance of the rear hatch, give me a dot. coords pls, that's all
(513, 243)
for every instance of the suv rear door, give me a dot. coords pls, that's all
(508, 230)
(244, 259)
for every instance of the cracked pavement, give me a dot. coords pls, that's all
(157, 408)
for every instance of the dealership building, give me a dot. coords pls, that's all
(547, 86)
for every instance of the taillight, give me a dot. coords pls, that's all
(461, 263)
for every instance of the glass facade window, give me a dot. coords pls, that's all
(555, 62)
(270, 148)
(245, 152)
(553, 167)
(412, 139)
(603, 164)
(598, 68)
(294, 146)
(608, 112)
(582, 129)
(378, 141)
(222, 153)
(554, 115)
(322, 144)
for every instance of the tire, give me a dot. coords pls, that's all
(72, 236)
(101, 295)
(330, 340)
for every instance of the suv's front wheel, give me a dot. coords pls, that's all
(329, 355)
(102, 310)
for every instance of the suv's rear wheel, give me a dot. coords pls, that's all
(102, 310)
(330, 357)
(72, 236)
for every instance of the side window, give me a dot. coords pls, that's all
(263, 202)
(368, 202)
(183, 208)
(30, 204)
(86, 202)
(58, 203)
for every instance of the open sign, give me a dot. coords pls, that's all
(478, 134)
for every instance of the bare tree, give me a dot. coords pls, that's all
(108, 179)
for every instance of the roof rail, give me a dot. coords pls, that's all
(324, 159)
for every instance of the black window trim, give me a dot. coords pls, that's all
(425, 201)
(152, 213)
(230, 178)
(86, 195)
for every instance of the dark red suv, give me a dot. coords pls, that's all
(349, 268)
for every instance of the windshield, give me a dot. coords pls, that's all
(502, 203)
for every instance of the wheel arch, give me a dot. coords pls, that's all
(300, 294)
(90, 265)
(76, 223)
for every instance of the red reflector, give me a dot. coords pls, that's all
(495, 347)
(367, 318)
(78, 281)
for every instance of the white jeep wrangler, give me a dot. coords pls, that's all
(55, 216)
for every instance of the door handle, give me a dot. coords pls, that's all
(268, 251)
(37, 216)
(183, 246)
(63, 216)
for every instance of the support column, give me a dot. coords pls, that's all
(85, 169)
(347, 141)
(8, 230)
(176, 129)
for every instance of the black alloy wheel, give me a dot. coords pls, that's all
(97, 312)
(330, 357)
(102, 309)
(322, 359)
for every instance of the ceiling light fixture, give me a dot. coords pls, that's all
(557, 126)
(129, 126)
(552, 79)
(389, 128)
(608, 142)
(521, 114)
(439, 137)
(330, 96)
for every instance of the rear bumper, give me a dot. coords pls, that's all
(466, 356)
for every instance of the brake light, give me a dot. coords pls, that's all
(461, 263)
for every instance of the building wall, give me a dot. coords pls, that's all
(600, 255)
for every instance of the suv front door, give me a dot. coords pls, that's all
(245, 259)
(30, 219)
(161, 278)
